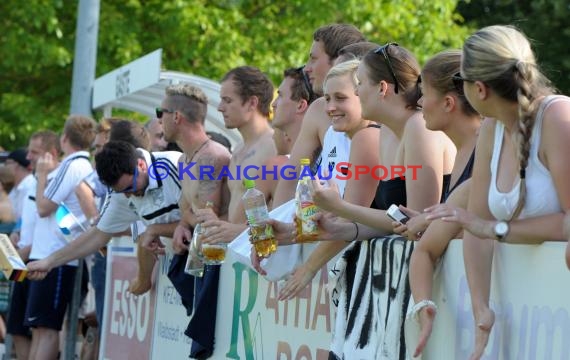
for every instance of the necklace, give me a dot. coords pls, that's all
(198, 149)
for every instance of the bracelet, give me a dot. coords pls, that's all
(355, 235)
(420, 305)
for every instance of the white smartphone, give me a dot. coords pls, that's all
(396, 214)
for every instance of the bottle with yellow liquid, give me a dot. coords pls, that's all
(307, 229)
(261, 232)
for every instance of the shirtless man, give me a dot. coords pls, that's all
(158, 140)
(186, 128)
(327, 42)
(294, 96)
(246, 96)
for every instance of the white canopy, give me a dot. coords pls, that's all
(139, 86)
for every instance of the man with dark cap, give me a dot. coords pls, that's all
(21, 168)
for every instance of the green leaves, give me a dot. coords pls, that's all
(206, 38)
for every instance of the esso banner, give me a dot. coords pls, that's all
(128, 319)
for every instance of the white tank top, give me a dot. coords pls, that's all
(541, 196)
(336, 150)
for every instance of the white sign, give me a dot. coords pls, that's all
(529, 294)
(127, 79)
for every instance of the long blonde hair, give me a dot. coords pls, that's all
(502, 58)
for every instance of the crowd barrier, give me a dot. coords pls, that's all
(531, 306)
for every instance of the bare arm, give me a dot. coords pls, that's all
(478, 253)
(86, 200)
(45, 206)
(358, 191)
(423, 147)
(432, 245)
(87, 243)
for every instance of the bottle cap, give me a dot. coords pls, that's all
(305, 161)
(248, 183)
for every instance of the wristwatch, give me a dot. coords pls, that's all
(501, 230)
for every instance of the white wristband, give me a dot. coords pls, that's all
(420, 305)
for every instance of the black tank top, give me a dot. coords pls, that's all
(466, 174)
(394, 192)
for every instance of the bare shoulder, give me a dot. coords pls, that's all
(320, 118)
(486, 132)
(368, 133)
(557, 116)
(416, 128)
(219, 151)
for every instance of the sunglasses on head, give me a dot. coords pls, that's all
(160, 111)
(307, 83)
(383, 50)
(458, 82)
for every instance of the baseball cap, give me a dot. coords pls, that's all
(19, 156)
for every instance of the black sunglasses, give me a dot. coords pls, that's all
(458, 82)
(383, 50)
(307, 84)
(161, 111)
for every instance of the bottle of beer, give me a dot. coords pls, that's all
(307, 229)
(261, 232)
(194, 262)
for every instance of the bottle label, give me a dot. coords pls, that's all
(308, 209)
(257, 215)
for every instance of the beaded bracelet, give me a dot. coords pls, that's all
(420, 305)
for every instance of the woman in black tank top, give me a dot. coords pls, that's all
(445, 108)
(389, 92)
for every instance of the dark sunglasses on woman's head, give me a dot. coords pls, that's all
(383, 50)
(161, 111)
(458, 82)
(307, 83)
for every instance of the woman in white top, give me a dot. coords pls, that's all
(519, 189)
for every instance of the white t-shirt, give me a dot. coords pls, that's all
(158, 205)
(29, 216)
(61, 186)
(19, 193)
(336, 151)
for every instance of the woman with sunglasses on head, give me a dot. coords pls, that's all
(519, 189)
(388, 91)
(446, 109)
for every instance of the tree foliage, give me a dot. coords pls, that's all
(206, 38)
(545, 22)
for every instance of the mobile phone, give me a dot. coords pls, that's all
(396, 214)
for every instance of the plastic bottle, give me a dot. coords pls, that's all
(261, 232)
(194, 262)
(307, 229)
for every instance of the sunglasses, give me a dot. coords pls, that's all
(458, 82)
(307, 84)
(383, 50)
(131, 188)
(161, 111)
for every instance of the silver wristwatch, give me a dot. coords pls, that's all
(501, 229)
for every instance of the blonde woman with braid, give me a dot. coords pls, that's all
(519, 188)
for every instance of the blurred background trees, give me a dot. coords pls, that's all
(208, 38)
